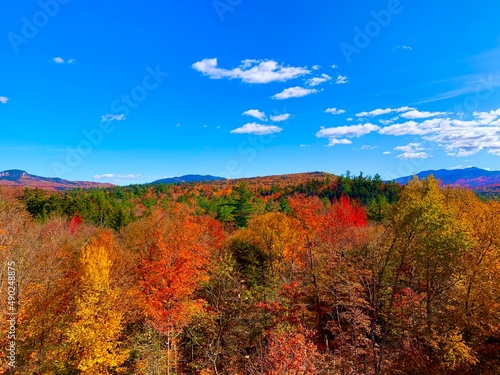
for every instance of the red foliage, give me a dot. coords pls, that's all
(74, 224)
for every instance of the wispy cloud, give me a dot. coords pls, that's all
(294, 92)
(256, 113)
(407, 48)
(60, 60)
(379, 111)
(412, 151)
(416, 114)
(258, 129)
(468, 84)
(335, 111)
(341, 80)
(4, 99)
(280, 118)
(410, 128)
(112, 176)
(335, 141)
(347, 131)
(113, 117)
(251, 71)
(458, 137)
(318, 80)
(352, 131)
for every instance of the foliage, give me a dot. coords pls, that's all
(297, 274)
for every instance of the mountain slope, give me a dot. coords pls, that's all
(474, 178)
(16, 177)
(188, 178)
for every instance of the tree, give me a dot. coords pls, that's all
(243, 206)
(175, 265)
(93, 337)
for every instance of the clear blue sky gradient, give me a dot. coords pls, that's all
(109, 91)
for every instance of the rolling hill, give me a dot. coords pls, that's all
(16, 177)
(188, 178)
(474, 178)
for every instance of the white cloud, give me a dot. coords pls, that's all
(60, 60)
(386, 153)
(379, 112)
(350, 119)
(318, 80)
(258, 129)
(488, 117)
(341, 80)
(411, 151)
(347, 131)
(457, 137)
(412, 128)
(464, 140)
(334, 141)
(389, 121)
(256, 113)
(304, 145)
(334, 66)
(316, 67)
(368, 147)
(4, 99)
(111, 117)
(108, 176)
(416, 114)
(408, 48)
(251, 71)
(280, 118)
(294, 92)
(335, 111)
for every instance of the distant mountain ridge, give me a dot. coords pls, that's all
(188, 178)
(474, 178)
(17, 177)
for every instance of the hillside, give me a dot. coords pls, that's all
(474, 178)
(16, 177)
(188, 178)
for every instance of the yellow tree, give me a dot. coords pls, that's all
(280, 237)
(477, 296)
(93, 336)
(429, 240)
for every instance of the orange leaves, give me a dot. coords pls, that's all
(290, 352)
(176, 265)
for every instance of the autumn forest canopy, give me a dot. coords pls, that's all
(284, 275)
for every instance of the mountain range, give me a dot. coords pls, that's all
(16, 177)
(188, 178)
(474, 178)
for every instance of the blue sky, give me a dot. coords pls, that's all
(130, 92)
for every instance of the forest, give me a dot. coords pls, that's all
(282, 275)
